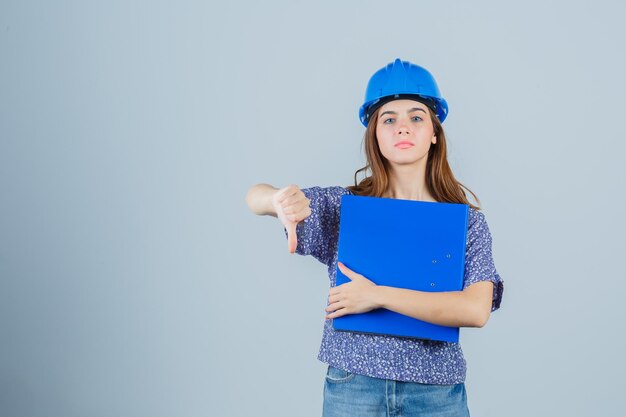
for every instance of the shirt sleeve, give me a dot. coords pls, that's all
(318, 234)
(479, 265)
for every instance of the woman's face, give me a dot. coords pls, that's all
(402, 121)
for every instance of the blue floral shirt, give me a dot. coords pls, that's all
(381, 356)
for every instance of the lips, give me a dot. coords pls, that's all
(404, 144)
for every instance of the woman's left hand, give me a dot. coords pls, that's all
(357, 296)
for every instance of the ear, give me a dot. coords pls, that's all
(434, 139)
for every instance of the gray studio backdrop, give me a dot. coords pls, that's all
(134, 281)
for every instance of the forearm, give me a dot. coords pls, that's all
(259, 199)
(452, 308)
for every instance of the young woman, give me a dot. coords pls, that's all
(405, 145)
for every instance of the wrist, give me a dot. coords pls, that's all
(263, 195)
(380, 296)
(268, 204)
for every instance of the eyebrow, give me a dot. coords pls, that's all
(408, 111)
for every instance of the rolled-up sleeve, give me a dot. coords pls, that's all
(318, 234)
(479, 264)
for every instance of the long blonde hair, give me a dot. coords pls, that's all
(440, 180)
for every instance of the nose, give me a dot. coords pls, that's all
(403, 128)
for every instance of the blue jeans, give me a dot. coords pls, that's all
(347, 394)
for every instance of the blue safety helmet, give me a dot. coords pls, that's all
(402, 80)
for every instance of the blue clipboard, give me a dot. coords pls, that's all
(409, 244)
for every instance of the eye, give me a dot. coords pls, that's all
(416, 118)
(385, 122)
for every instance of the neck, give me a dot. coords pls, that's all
(408, 182)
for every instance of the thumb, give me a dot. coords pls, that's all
(292, 237)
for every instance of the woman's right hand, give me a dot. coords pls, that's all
(291, 206)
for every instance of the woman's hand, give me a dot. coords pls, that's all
(291, 206)
(357, 296)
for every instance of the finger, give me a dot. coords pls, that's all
(292, 237)
(292, 218)
(343, 268)
(334, 306)
(348, 272)
(333, 299)
(286, 193)
(337, 313)
(280, 194)
(296, 208)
